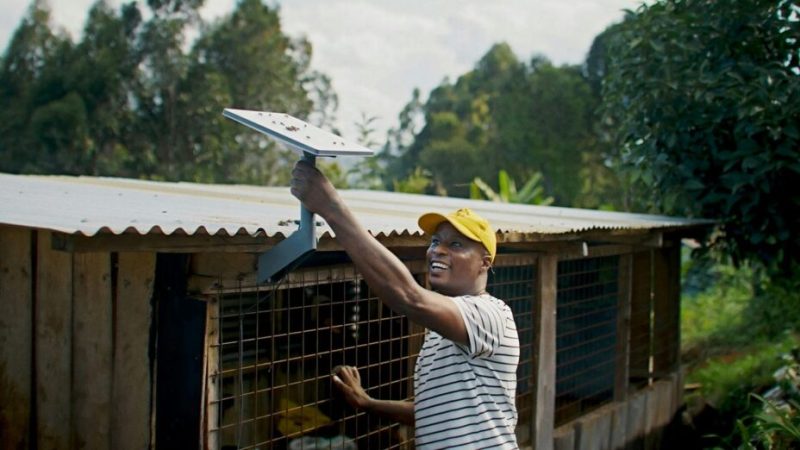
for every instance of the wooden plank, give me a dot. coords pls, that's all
(53, 344)
(636, 424)
(659, 414)
(91, 351)
(132, 382)
(640, 329)
(622, 347)
(564, 437)
(16, 336)
(592, 431)
(664, 402)
(652, 415)
(545, 348)
(619, 423)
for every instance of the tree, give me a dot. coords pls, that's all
(705, 98)
(509, 115)
(34, 53)
(129, 100)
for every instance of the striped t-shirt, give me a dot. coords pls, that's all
(464, 396)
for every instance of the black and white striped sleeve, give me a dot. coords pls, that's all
(485, 322)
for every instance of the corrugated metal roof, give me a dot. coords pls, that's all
(91, 205)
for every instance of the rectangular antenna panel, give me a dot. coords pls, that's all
(297, 134)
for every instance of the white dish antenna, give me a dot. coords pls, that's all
(310, 141)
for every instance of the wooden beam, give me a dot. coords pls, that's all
(130, 419)
(91, 351)
(175, 243)
(545, 313)
(595, 251)
(16, 336)
(645, 238)
(210, 435)
(214, 272)
(53, 345)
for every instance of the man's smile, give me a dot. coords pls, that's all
(438, 266)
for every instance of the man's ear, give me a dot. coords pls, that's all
(486, 262)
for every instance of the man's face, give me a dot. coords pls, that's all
(455, 262)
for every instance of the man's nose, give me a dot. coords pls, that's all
(439, 250)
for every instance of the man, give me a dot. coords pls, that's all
(465, 377)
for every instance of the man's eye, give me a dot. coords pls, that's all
(455, 244)
(434, 242)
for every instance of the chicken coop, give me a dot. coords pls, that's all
(131, 317)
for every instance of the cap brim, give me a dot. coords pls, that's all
(430, 222)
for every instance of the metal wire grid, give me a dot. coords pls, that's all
(516, 286)
(277, 348)
(587, 303)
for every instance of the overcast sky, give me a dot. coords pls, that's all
(378, 51)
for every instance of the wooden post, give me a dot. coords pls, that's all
(622, 349)
(545, 394)
(91, 350)
(211, 379)
(16, 334)
(53, 344)
(640, 331)
(130, 419)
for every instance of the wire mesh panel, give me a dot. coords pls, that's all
(515, 284)
(273, 349)
(276, 350)
(587, 302)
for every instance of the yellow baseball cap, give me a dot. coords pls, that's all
(467, 223)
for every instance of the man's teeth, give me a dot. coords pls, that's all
(437, 265)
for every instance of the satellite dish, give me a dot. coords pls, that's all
(310, 141)
(297, 134)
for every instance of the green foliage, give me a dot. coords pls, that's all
(531, 193)
(334, 172)
(738, 324)
(704, 99)
(129, 100)
(777, 428)
(727, 380)
(714, 316)
(726, 307)
(418, 182)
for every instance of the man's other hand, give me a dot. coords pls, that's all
(348, 380)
